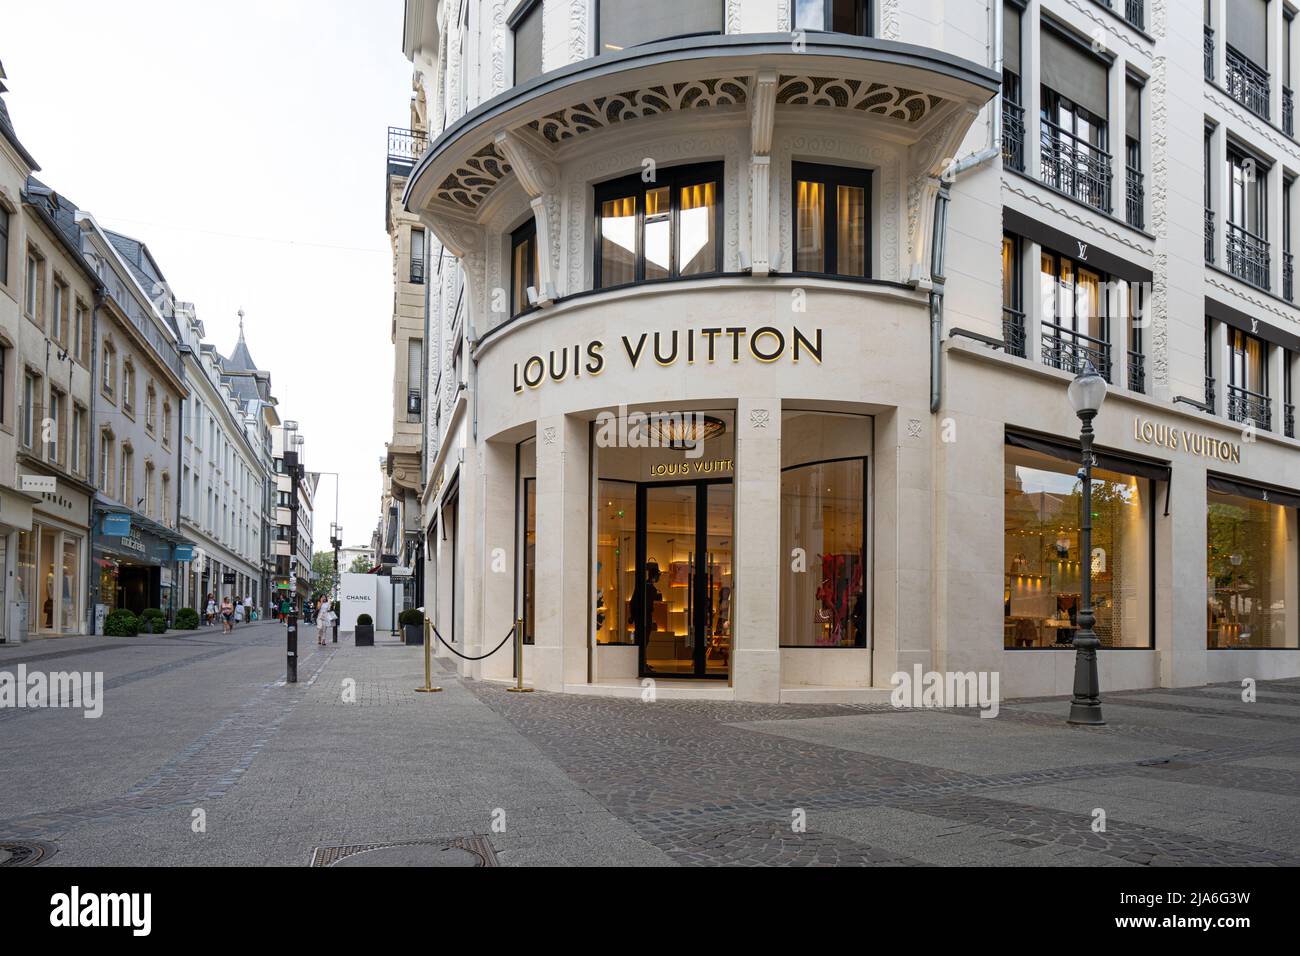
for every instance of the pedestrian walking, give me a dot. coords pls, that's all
(210, 612)
(248, 607)
(323, 615)
(239, 613)
(227, 615)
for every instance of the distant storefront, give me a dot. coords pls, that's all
(135, 563)
(50, 566)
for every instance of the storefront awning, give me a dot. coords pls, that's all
(1072, 451)
(1245, 489)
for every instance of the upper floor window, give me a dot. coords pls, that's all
(167, 423)
(31, 413)
(1246, 55)
(128, 386)
(835, 16)
(1074, 112)
(1076, 319)
(417, 256)
(150, 406)
(1134, 190)
(1246, 222)
(523, 266)
(626, 23)
(4, 246)
(79, 329)
(109, 375)
(34, 293)
(414, 377)
(659, 230)
(831, 211)
(526, 24)
(59, 314)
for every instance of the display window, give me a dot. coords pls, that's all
(1044, 566)
(1251, 576)
(824, 576)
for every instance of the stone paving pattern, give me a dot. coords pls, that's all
(352, 755)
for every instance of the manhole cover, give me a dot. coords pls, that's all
(459, 851)
(24, 854)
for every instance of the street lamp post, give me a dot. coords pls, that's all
(336, 539)
(1086, 393)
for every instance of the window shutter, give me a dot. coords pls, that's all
(1073, 72)
(1248, 29)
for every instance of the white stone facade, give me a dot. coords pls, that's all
(513, 465)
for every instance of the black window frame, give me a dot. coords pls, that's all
(864, 14)
(527, 232)
(673, 177)
(831, 176)
(600, 47)
(522, 13)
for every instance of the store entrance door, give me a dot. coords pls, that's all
(681, 605)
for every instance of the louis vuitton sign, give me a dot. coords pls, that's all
(1186, 440)
(734, 344)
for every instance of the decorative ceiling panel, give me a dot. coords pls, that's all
(896, 102)
(605, 111)
(471, 181)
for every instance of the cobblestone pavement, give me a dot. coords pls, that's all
(204, 756)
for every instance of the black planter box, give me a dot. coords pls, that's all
(413, 633)
(365, 635)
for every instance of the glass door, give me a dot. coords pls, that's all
(681, 605)
(663, 602)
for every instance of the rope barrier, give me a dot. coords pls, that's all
(466, 657)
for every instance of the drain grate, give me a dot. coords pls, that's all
(24, 854)
(474, 850)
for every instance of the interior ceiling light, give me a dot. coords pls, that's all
(685, 431)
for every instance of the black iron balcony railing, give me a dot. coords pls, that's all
(1135, 196)
(1288, 419)
(1137, 373)
(1075, 167)
(1209, 236)
(1013, 135)
(1248, 256)
(1013, 331)
(1288, 276)
(1246, 83)
(1247, 406)
(417, 271)
(406, 146)
(1209, 54)
(1071, 351)
(1288, 112)
(1209, 394)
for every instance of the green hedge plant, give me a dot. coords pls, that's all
(187, 619)
(364, 619)
(410, 616)
(121, 623)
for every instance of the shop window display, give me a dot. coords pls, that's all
(824, 594)
(1250, 566)
(1043, 581)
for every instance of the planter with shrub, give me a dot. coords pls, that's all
(187, 619)
(412, 622)
(121, 623)
(365, 632)
(153, 621)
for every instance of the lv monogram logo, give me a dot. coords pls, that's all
(1083, 249)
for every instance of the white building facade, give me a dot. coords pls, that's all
(750, 326)
(224, 478)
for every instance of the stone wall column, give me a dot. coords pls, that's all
(559, 654)
(500, 565)
(757, 561)
(1180, 579)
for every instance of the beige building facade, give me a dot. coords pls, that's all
(751, 326)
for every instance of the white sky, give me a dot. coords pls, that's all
(244, 142)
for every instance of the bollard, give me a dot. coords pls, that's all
(519, 687)
(428, 687)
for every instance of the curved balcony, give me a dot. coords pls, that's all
(917, 99)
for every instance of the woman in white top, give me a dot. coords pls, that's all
(323, 615)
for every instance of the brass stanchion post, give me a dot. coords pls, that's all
(428, 687)
(519, 687)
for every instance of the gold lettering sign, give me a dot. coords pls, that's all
(688, 469)
(766, 344)
(1184, 439)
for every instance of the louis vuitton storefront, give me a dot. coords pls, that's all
(726, 544)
